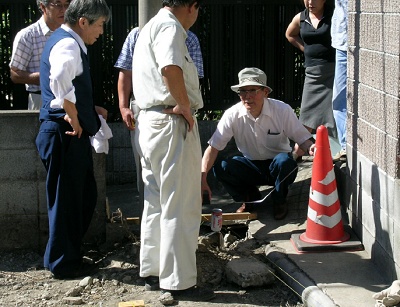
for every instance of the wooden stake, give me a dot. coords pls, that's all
(138, 303)
(207, 217)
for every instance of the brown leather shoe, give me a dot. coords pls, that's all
(280, 211)
(245, 208)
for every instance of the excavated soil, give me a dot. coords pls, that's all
(24, 281)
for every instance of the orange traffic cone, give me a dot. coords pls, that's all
(324, 220)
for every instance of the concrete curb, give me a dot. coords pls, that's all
(296, 279)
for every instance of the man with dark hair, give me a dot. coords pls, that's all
(166, 87)
(28, 46)
(68, 118)
(125, 98)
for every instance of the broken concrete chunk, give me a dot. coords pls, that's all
(249, 272)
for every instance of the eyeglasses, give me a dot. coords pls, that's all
(59, 6)
(252, 93)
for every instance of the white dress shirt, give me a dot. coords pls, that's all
(66, 63)
(260, 138)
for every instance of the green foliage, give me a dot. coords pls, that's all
(209, 114)
(217, 114)
(297, 111)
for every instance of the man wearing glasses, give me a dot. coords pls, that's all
(28, 46)
(261, 127)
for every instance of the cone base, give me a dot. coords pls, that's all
(344, 238)
(352, 244)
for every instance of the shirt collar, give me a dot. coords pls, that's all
(265, 110)
(166, 12)
(76, 36)
(45, 29)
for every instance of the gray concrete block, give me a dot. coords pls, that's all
(249, 272)
(391, 74)
(18, 164)
(396, 245)
(372, 72)
(396, 207)
(391, 25)
(21, 135)
(392, 114)
(371, 25)
(19, 198)
(375, 113)
(19, 232)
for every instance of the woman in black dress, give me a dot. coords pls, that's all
(310, 32)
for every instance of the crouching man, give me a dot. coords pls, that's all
(261, 127)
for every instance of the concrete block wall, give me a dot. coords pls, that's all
(23, 208)
(373, 128)
(121, 167)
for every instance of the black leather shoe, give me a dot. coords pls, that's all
(280, 211)
(151, 283)
(194, 294)
(83, 270)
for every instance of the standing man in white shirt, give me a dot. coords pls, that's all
(125, 98)
(166, 87)
(28, 46)
(68, 118)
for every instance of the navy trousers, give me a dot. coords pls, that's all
(241, 176)
(71, 193)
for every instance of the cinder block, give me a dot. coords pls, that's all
(371, 113)
(396, 244)
(391, 74)
(392, 115)
(18, 136)
(391, 25)
(19, 232)
(371, 32)
(18, 164)
(372, 72)
(19, 198)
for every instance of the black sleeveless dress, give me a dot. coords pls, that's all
(316, 105)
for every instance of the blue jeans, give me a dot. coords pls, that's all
(339, 99)
(241, 176)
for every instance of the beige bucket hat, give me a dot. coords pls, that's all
(251, 76)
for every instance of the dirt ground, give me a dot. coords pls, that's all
(24, 282)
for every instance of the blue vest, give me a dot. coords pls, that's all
(87, 115)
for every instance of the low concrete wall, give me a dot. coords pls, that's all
(23, 208)
(121, 167)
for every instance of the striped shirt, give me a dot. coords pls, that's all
(192, 42)
(27, 49)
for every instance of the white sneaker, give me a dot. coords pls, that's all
(340, 156)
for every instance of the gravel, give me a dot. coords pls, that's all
(24, 281)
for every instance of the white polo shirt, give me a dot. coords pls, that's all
(261, 138)
(162, 43)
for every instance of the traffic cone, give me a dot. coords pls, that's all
(324, 229)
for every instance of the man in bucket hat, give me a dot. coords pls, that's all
(261, 127)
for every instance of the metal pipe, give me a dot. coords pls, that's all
(147, 9)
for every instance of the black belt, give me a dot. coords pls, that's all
(37, 93)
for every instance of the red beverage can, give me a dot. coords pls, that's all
(216, 220)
